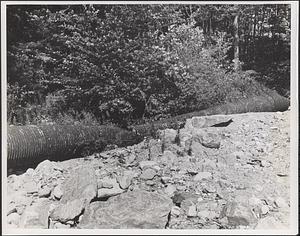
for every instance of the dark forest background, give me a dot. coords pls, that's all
(124, 64)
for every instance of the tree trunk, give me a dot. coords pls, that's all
(254, 35)
(236, 42)
(210, 24)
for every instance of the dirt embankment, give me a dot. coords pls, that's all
(218, 172)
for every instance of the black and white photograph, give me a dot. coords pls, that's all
(132, 117)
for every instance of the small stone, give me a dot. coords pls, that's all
(165, 180)
(30, 172)
(20, 209)
(106, 184)
(11, 208)
(146, 164)
(104, 155)
(30, 187)
(186, 203)
(22, 200)
(202, 175)
(203, 214)
(108, 192)
(181, 187)
(28, 217)
(264, 210)
(238, 154)
(264, 163)
(209, 189)
(125, 180)
(46, 171)
(199, 199)
(210, 140)
(168, 158)
(57, 192)
(170, 190)
(242, 227)
(99, 184)
(148, 174)
(175, 211)
(12, 226)
(70, 222)
(44, 192)
(17, 183)
(58, 168)
(178, 198)
(167, 136)
(269, 200)
(192, 171)
(238, 214)
(253, 201)
(59, 225)
(224, 221)
(269, 222)
(13, 218)
(258, 188)
(281, 203)
(282, 174)
(203, 205)
(209, 165)
(150, 182)
(130, 160)
(192, 211)
(12, 178)
(80, 218)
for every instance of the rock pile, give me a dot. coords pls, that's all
(212, 174)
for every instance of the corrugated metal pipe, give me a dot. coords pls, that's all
(31, 144)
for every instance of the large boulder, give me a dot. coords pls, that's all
(167, 136)
(81, 185)
(69, 211)
(78, 191)
(109, 187)
(208, 137)
(238, 214)
(36, 215)
(133, 209)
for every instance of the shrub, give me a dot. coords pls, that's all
(117, 66)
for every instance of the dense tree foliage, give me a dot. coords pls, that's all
(121, 63)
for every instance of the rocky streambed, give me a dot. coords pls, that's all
(218, 172)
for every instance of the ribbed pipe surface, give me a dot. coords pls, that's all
(267, 103)
(34, 143)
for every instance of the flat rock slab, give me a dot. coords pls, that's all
(68, 212)
(36, 215)
(134, 209)
(77, 192)
(81, 185)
